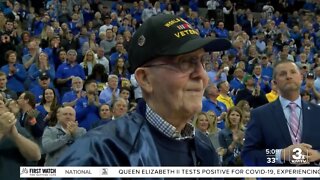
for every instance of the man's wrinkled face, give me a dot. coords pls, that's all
(178, 83)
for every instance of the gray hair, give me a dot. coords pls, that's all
(72, 51)
(206, 91)
(76, 78)
(113, 76)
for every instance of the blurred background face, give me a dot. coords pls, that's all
(21, 101)
(72, 57)
(77, 85)
(44, 82)
(120, 108)
(43, 58)
(250, 82)
(124, 94)
(92, 88)
(12, 58)
(202, 123)
(13, 107)
(113, 83)
(3, 81)
(105, 112)
(90, 56)
(120, 62)
(257, 70)
(66, 114)
(234, 118)
(49, 95)
(62, 55)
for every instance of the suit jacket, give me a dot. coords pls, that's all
(268, 129)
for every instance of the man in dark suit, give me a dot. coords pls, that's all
(283, 125)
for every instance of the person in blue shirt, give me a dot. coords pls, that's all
(125, 26)
(262, 81)
(53, 49)
(236, 83)
(87, 108)
(121, 52)
(111, 91)
(15, 72)
(44, 82)
(40, 66)
(105, 116)
(267, 69)
(70, 98)
(67, 71)
(220, 31)
(48, 103)
(211, 103)
(206, 29)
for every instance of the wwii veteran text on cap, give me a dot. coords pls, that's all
(168, 35)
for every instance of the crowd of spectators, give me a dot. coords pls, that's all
(74, 54)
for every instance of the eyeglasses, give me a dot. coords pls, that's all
(185, 65)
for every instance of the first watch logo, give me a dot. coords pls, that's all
(298, 157)
(24, 171)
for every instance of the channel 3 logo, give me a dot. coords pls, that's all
(298, 157)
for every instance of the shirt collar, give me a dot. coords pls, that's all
(3, 89)
(285, 102)
(188, 132)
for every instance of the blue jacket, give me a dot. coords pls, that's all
(15, 81)
(34, 73)
(86, 114)
(128, 141)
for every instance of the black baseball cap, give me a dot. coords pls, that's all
(43, 76)
(310, 75)
(168, 35)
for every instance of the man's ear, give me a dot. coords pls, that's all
(143, 78)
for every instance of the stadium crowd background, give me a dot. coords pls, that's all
(74, 53)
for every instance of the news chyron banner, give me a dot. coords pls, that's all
(170, 172)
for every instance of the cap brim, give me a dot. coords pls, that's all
(209, 45)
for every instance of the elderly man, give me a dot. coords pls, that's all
(112, 91)
(57, 139)
(166, 55)
(70, 98)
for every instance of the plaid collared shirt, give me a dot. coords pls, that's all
(167, 129)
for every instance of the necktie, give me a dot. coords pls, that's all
(294, 124)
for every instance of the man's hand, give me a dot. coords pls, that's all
(221, 151)
(287, 152)
(313, 155)
(12, 69)
(72, 127)
(91, 98)
(238, 137)
(7, 120)
(222, 115)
